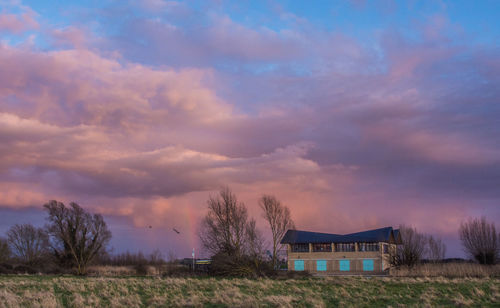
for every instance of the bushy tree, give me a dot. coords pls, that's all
(76, 237)
(479, 239)
(28, 243)
(279, 219)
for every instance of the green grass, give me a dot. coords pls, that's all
(67, 291)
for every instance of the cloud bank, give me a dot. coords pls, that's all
(143, 116)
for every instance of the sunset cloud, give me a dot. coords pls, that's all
(18, 23)
(141, 112)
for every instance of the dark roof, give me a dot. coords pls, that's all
(377, 235)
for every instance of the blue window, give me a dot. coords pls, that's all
(345, 265)
(299, 265)
(321, 265)
(368, 265)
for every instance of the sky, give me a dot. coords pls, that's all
(355, 114)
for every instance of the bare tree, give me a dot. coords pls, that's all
(224, 228)
(413, 248)
(436, 249)
(279, 219)
(479, 239)
(172, 257)
(5, 252)
(76, 235)
(28, 243)
(171, 261)
(156, 260)
(236, 245)
(255, 246)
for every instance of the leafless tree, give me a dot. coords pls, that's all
(224, 228)
(5, 252)
(171, 263)
(279, 219)
(436, 249)
(28, 243)
(156, 260)
(76, 236)
(236, 245)
(413, 248)
(255, 246)
(479, 239)
(172, 257)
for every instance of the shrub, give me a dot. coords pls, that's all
(141, 269)
(7, 266)
(243, 266)
(180, 271)
(25, 269)
(6, 269)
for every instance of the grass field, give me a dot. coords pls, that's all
(47, 291)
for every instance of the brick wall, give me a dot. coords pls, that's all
(380, 260)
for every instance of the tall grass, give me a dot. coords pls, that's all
(46, 291)
(449, 270)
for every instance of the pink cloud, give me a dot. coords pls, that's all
(358, 139)
(70, 36)
(441, 148)
(56, 84)
(18, 23)
(225, 37)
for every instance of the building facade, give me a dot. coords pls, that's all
(364, 252)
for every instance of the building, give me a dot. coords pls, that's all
(364, 252)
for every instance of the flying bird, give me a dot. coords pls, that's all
(175, 230)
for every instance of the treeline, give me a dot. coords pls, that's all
(129, 258)
(416, 247)
(237, 247)
(479, 239)
(74, 239)
(70, 241)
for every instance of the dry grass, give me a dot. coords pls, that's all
(449, 270)
(46, 291)
(113, 271)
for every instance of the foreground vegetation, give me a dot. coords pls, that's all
(448, 270)
(70, 291)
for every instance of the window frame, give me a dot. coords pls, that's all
(345, 247)
(305, 247)
(327, 246)
(368, 246)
